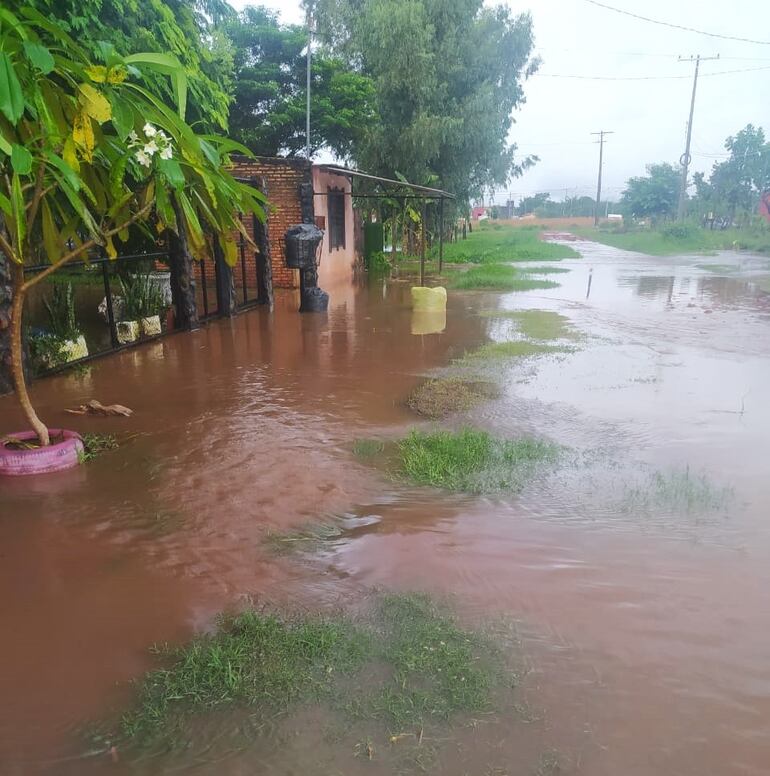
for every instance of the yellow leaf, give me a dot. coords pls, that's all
(97, 73)
(70, 154)
(83, 135)
(117, 74)
(111, 251)
(94, 103)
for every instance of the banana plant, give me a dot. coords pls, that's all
(87, 151)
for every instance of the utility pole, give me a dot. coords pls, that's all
(309, 57)
(601, 134)
(685, 159)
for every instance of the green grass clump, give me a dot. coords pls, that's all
(498, 277)
(406, 664)
(678, 491)
(504, 244)
(472, 461)
(537, 324)
(442, 396)
(95, 445)
(253, 659)
(437, 667)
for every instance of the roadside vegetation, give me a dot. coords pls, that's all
(497, 244)
(472, 461)
(497, 277)
(686, 238)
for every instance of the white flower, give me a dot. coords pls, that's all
(166, 153)
(151, 148)
(143, 159)
(133, 138)
(149, 130)
(161, 135)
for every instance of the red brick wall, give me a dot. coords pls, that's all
(283, 178)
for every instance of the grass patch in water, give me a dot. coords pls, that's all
(471, 460)
(499, 277)
(678, 490)
(407, 664)
(439, 397)
(537, 324)
(547, 270)
(95, 445)
(509, 349)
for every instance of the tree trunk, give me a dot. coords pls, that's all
(17, 357)
(182, 277)
(6, 297)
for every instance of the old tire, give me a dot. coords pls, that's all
(56, 457)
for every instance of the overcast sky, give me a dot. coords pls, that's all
(648, 117)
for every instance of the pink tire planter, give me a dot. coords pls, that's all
(62, 454)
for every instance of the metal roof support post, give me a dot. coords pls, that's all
(440, 234)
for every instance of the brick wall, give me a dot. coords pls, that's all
(283, 178)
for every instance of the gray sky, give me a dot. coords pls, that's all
(649, 117)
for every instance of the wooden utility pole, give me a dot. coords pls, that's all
(601, 134)
(309, 63)
(685, 159)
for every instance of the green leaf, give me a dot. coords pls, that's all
(194, 230)
(122, 116)
(172, 172)
(210, 152)
(21, 159)
(5, 146)
(51, 241)
(70, 175)
(39, 55)
(171, 66)
(11, 97)
(5, 204)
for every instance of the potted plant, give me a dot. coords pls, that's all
(63, 325)
(88, 149)
(142, 303)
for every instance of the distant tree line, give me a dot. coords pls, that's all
(731, 191)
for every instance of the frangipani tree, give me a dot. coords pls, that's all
(86, 151)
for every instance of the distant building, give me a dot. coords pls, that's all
(479, 213)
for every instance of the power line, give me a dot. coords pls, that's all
(645, 77)
(677, 26)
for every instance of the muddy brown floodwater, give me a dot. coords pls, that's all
(644, 614)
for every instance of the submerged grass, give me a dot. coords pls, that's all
(368, 448)
(678, 490)
(537, 324)
(305, 539)
(408, 664)
(504, 244)
(471, 460)
(510, 349)
(439, 397)
(500, 277)
(547, 270)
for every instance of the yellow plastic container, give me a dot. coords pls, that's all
(428, 299)
(428, 321)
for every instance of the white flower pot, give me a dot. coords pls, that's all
(150, 326)
(128, 331)
(72, 350)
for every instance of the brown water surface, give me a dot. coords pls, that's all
(645, 623)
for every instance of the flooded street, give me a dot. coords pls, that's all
(642, 618)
